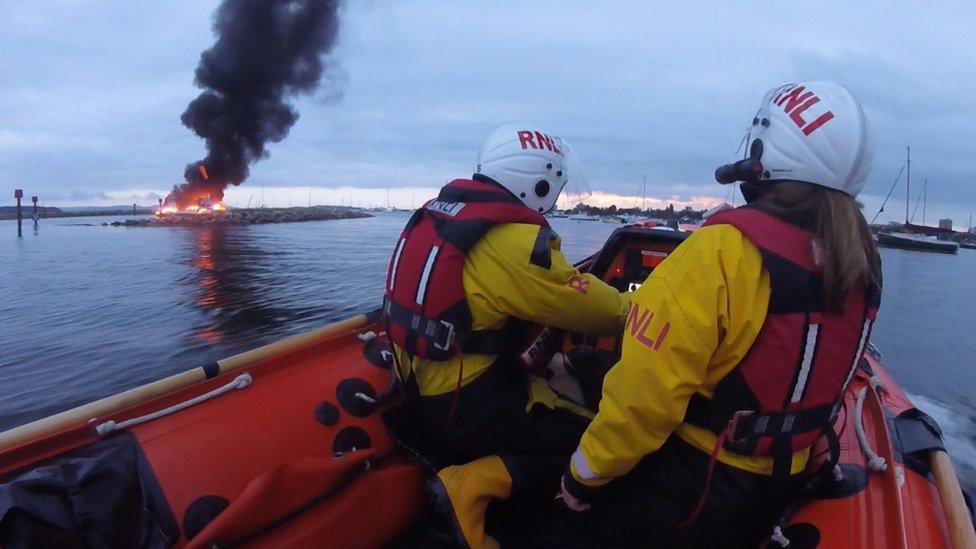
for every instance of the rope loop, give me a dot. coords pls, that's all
(779, 538)
(875, 463)
(111, 426)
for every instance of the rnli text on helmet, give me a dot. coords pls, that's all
(795, 100)
(529, 139)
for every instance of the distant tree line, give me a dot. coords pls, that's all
(10, 212)
(666, 213)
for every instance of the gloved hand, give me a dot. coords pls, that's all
(571, 501)
(563, 382)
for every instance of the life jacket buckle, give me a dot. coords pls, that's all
(448, 340)
(733, 427)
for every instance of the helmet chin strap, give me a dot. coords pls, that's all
(485, 179)
(754, 190)
(751, 191)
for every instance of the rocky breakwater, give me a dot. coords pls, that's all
(246, 216)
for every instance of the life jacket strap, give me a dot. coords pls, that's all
(746, 427)
(446, 336)
(782, 456)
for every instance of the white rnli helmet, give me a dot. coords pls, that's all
(532, 164)
(813, 132)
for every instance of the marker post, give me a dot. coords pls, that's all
(18, 194)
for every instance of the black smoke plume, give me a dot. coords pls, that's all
(267, 52)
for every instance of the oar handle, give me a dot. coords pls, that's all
(958, 519)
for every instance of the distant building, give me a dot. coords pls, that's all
(945, 224)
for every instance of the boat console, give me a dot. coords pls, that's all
(631, 253)
(625, 261)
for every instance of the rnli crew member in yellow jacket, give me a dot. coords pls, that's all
(738, 347)
(471, 270)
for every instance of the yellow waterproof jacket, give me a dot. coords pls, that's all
(688, 326)
(500, 282)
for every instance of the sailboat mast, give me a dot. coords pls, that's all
(925, 196)
(643, 193)
(908, 186)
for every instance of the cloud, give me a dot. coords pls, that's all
(92, 92)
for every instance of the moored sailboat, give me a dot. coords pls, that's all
(916, 237)
(922, 243)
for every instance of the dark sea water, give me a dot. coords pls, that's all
(87, 311)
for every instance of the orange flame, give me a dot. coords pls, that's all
(204, 205)
(203, 172)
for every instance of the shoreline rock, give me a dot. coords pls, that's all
(247, 216)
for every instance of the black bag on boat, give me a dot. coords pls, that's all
(101, 495)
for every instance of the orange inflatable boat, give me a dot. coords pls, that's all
(285, 446)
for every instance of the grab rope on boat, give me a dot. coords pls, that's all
(365, 398)
(366, 337)
(110, 426)
(779, 538)
(388, 358)
(876, 463)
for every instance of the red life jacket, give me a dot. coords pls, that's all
(425, 302)
(786, 391)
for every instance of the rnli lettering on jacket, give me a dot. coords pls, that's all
(425, 300)
(785, 393)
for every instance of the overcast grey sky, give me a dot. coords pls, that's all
(91, 93)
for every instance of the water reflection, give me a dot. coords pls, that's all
(233, 286)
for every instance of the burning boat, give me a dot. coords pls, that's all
(180, 201)
(202, 206)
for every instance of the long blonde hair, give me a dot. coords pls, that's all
(850, 254)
